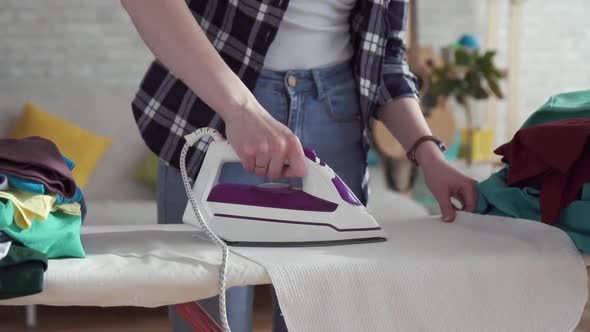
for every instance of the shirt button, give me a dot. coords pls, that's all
(292, 81)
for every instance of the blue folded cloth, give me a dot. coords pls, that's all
(25, 185)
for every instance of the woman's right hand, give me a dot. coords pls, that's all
(263, 144)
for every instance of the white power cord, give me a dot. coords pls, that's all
(191, 139)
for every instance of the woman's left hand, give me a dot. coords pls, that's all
(445, 181)
(405, 120)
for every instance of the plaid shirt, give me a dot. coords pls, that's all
(165, 109)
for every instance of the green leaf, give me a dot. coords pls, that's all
(495, 89)
(462, 58)
(488, 57)
(479, 92)
(471, 75)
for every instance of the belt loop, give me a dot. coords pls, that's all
(319, 84)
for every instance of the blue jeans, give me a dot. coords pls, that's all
(321, 108)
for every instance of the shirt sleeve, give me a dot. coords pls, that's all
(396, 79)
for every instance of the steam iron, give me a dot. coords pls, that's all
(324, 212)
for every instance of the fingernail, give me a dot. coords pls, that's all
(447, 219)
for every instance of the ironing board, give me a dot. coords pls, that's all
(144, 266)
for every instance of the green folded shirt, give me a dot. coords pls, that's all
(58, 236)
(21, 272)
(560, 107)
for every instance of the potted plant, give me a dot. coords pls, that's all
(466, 74)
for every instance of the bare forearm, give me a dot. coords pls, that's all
(405, 121)
(176, 39)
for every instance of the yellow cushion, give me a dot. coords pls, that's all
(148, 170)
(83, 147)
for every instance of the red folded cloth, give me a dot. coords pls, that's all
(37, 159)
(553, 155)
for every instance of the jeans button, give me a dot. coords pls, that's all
(292, 81)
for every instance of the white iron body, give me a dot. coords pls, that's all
(323, 212)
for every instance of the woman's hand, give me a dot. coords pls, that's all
(444, 182)
(404, 119)
(263, 143)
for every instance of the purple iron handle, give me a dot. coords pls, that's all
(343, 190)
(310, 154)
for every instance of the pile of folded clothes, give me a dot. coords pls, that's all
(41, 213)
(547, 173)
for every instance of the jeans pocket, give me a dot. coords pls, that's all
(341, 101)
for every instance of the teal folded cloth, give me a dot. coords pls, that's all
(497, 198)
(560, 107)
(58, 236)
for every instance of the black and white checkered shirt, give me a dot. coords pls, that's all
(165, 109)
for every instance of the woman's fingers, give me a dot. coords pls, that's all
(262, 159)
(469, 195)
(296, 167)
(446, 207)
(248, 159)
(277, 162)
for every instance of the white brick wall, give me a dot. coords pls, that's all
(84, 38)
(68, 38)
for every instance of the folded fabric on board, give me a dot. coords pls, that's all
(3, 182)
(22, 272)
(498, 199)
(58, 236)
(28, 206)
(37, 159)
(554, 156)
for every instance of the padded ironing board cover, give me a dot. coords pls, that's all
(481, 273)
(140, 265)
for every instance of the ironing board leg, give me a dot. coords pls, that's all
(31, 316)
(197, 318)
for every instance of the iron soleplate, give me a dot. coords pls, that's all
(304, 244)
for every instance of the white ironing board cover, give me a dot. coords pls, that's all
(157, 265)
(481, 273)
(140, 265)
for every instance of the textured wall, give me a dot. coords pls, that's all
(83, 38)
(555, 49)
(57, 38)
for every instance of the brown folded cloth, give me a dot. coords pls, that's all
(37, 159)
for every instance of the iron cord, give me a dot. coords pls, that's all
(191, 139)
